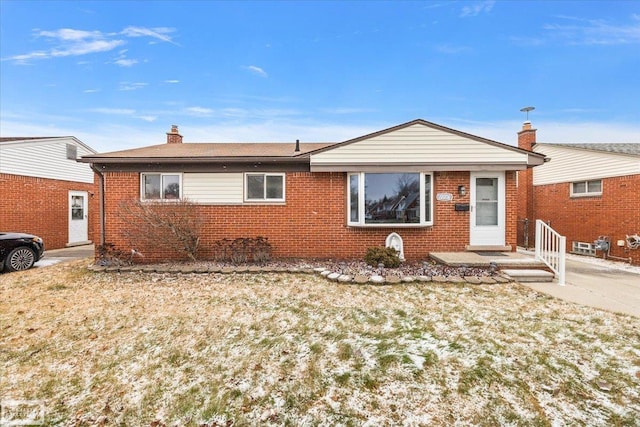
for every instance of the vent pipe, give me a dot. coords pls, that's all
(297, 150)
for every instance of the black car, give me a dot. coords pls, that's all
(19, 251)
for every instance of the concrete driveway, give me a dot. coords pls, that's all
(67, 254)
(594, 282)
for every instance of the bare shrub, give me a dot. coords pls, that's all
(171, 225)
(243, 249)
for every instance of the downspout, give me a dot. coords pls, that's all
(102, 220)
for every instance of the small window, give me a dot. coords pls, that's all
(264, 187)
(387, 199)
(161, 186)
(72, 152)
(586, 188)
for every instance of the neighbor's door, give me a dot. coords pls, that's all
(487, 209)
(78, 217)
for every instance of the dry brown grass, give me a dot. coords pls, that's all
(283, 349)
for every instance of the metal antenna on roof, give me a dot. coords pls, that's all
(526, 110)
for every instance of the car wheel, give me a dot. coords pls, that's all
(21, 258)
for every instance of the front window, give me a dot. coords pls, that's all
(586, 188)
(161, 186)
(264, 187)
(379, 199)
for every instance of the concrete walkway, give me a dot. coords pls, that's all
(66, 254)
(593, 282)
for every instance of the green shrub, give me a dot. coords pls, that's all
(379, 255)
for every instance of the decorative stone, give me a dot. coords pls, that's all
(97, 268)
(408, 279)
(376, 279)
(293, 270)
(473, 280)
(188, 269)
(424, 278)
(201, 270)
(214, 269)
(333, 276)
(319, 269)
(242, 269)
(604, 385)
(325, 273)
(344, 278)
(307, 270)
(361, 278)
(392, 279)
(488, 280)
(439, 279)
(267, 269)
(501, 279)
(227, 270)
(255, 269)
(455, 279)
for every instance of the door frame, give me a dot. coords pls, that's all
(488, 235)
(81, 237)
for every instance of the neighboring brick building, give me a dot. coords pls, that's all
(45, 191)
(439, 189)
(584, 191)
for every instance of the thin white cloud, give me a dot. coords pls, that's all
(91, 90)
(477, 8)
(160, 33)
(114, 111)
(74, 42)
(199, 111)
(257, 70)
(126, 62)
(171, 81)
(126, 86)
(346, 110)
(148, 118)
(595, 31)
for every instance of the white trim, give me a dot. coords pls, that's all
(162, 174)
(361, 203)
(265, 199)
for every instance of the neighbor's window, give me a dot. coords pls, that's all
(379, 199)
(161, 186)
(266, 187)
(586, 188)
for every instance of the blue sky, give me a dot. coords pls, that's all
(118, 74)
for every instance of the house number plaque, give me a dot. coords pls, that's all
(444, 197)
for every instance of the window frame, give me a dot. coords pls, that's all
(264, 199)
(361, 202)
(161, 198)
(586, 193)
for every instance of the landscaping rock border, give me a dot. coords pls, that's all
(375, 279)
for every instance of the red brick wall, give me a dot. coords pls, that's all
(40, 206)
(312, 222)
(614, 214)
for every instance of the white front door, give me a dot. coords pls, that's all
(78, 217)
(487, 209)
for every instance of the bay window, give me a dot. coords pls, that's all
(390, 199)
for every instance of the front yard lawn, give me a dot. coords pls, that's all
(295, 349)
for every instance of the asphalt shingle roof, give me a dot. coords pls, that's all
(621, 148)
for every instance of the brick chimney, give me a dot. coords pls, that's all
(526, 200)
(527, 136)
(173, 137)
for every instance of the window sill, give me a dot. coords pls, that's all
(426, 225)
(582, 196)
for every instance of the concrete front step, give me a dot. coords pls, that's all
(524, 275)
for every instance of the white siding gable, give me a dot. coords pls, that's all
(420, 145)
(225, 188)
(574, 164)
(45, 158)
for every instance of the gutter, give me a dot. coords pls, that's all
(102, 204)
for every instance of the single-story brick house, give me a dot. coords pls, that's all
(585, 191)
(439, 189)
(45, 191)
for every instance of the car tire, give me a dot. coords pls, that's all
(20, 258)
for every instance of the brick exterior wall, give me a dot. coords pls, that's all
(312, 222)
(614, 214)
(41, 206)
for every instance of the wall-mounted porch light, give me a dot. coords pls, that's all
(462, 190)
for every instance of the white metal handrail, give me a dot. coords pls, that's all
(550, 249)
